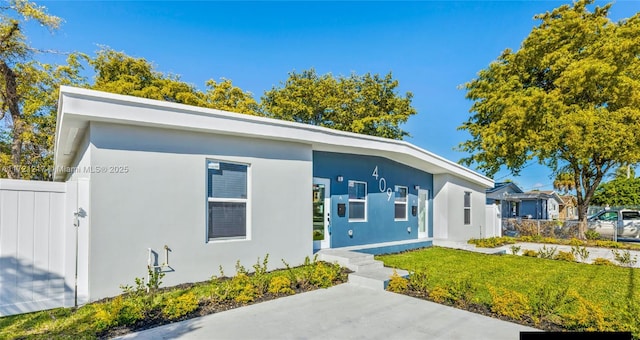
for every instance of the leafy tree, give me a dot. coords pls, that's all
(28, 93)
(117, 72)
(366, 104)
(625, 171)
(618, 192)
(569, 97)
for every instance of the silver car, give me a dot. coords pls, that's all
(626, 223)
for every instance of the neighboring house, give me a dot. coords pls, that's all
(539, 205)
(189, 190)
(569, 208)
(502, 194)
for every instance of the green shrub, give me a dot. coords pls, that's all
(547, 253)
(599, 261)
(491, 242)
(259, 278)
(576, 242)
(580, 252)
(530, 253)
(509, 303)
(565, 256)
(462, 291)
(323, 275)
(180, 306)
(440, 294)
(418, 281)
(515, 250)
(624, 258)
(118, 312)
(280, 285)
(397, 283)
(591, 234)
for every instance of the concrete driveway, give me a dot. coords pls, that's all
(345, 311)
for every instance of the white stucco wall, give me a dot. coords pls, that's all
(161, 200)
(448, 208)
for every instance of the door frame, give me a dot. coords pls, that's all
(326, 243)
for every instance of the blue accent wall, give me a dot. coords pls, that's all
(380, 225)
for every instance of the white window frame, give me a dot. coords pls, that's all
(246, 200)
(405, 203)
(466, 208)
(356, 200)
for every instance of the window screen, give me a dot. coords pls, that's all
(227, 200)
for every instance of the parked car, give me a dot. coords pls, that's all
(625, 222)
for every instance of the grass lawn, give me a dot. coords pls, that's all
(611, 291)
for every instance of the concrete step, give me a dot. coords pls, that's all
(366, 265)
(375, 278)
(349, 259)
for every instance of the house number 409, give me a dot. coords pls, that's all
(382, 183)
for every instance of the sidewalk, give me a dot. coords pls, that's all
(345, 311)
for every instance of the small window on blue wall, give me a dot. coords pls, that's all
(357, 201)
(401, 203)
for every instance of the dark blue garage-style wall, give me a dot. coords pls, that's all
(380, 225)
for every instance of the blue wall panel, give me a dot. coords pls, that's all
(380, 225)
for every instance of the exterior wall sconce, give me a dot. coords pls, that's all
(417, 187)
(340, 178)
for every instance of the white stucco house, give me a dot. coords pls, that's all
(190, 189)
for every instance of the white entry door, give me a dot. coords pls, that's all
(423, 217)
(321, 213)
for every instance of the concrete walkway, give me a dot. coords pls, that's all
(345, 311)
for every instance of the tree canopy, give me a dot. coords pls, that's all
(366, 104)
(620, 191)
(117, 72)
(568, 98)
(28, 94)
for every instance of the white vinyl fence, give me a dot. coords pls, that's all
(494, 220)
(38, 245)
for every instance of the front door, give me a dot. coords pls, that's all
(423, 217)
(321, 213)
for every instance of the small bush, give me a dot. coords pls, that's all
(580, 252)
(280, 285)
(418, 281)
(118, 312)
(491, 242)
(180, 306)
(529, 252)
(576, 242)
(515, 250)
(591, 235)
(624, 258)
(565, 256)
(547, 253)
(440, 294)
(599, 261)
(397, 283)
(509, 303)
(323, 274)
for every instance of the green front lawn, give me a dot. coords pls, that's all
(540, 290)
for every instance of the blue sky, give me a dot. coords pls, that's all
(432, 47)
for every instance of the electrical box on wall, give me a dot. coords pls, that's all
(342, 209)
(414, 210)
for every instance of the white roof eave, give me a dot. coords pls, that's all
(77, 107)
